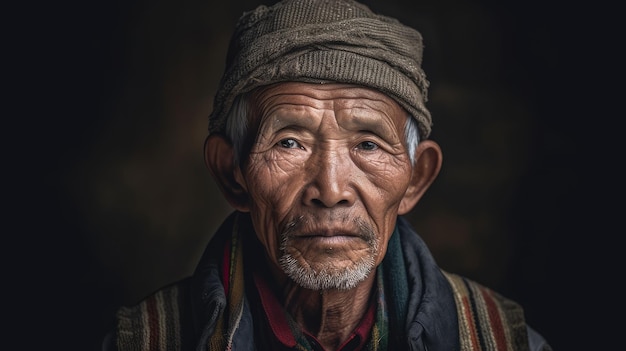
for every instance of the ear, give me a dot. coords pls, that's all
(219, 159)
(428, 158)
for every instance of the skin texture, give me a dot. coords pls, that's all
(327, 174)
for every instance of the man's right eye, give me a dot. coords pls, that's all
(289, 144)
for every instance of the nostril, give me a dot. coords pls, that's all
(318, 202)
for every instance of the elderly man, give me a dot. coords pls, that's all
(318, 139)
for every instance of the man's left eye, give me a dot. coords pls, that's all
(289, 144)
(368, 145)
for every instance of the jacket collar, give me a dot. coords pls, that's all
(432, 316)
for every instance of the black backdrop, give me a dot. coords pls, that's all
(107, 197)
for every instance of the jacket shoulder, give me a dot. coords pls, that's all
(157, 322)
(487, 320)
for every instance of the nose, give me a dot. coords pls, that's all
(331, 181)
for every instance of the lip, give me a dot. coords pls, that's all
(327, 241)
(327, 238)
(327, 233)
(338, 226)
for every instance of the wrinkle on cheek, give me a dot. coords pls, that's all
(269, 177)
(390, 169)
(270, 164)
(282, 164)
(388, 177)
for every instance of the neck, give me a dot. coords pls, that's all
(329, 315)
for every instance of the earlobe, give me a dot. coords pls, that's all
(219, 159)
(428, 159)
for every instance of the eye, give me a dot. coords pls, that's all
(289, 144)
(368, 145)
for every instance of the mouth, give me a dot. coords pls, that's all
(301, 229)
(327, 233)
(328, 240)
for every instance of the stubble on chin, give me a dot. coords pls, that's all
(328, 276)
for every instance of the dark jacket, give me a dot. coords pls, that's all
(442, 311)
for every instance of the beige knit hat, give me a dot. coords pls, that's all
(324, 41)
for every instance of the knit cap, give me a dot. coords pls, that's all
(324, 41)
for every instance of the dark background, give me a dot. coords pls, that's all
(107, 197)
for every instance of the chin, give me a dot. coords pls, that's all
(325, 278)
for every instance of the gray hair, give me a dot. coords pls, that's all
(237, 128)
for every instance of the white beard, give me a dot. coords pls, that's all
(328, 276)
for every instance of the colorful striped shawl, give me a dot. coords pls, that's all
(487, 321)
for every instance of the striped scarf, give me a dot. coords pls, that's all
(222, 338)
(486, 320)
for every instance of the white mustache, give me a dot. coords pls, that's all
(307, 226)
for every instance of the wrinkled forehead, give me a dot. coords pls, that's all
(328, 90)
(352, 106)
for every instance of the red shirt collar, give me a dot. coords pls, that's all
(279, 325)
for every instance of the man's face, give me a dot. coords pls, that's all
(325, 177)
